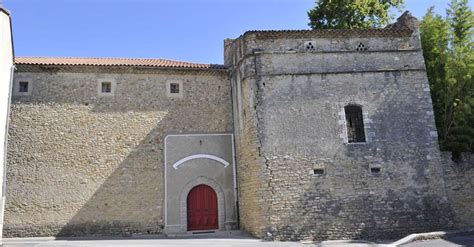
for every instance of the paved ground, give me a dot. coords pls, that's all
(150, 242)
(235, 241)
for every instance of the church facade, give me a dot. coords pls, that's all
(301, 134)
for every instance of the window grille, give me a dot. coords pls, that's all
(174, 88)
(106, 87)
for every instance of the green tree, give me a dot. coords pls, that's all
(448, 51)
(351, 13)
(435, 41)
(460, 19)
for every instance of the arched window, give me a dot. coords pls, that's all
(354, 123)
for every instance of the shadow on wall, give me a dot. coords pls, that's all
(130, 200)
(127, 200)
(337, 206)
(88, 165)
(460, 185)
(348, 200)
(108, 181)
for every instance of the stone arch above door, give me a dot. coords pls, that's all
(184, 195)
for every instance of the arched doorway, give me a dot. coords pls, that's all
(202, 208)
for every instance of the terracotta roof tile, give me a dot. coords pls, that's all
(138, 62)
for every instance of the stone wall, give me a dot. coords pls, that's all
(459, 178)
(302, 131)
(80, 164)
(292, 102)
(250, 174)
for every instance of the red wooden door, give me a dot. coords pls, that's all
(202, 208)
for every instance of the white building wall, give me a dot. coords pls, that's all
(6, 65)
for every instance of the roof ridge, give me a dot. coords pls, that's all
(113, 61)
(104, 58)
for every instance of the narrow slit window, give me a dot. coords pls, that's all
(355, 124)
(174, 88)
(106, 87)
(23, 87)
(318, 171)
(375, 169)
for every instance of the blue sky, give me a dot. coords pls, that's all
(189, 30)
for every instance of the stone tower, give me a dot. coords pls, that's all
(335, 135)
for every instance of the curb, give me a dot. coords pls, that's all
(406, 240)
(430, 235)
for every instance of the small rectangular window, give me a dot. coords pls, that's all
(174, 88)
(23, 87)
(318, 171)
(106, 87)
(375, 169)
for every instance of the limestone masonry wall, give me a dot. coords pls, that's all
(250, 173)
(350, 201)
(459, 178)
(293, 100)
(79, 164)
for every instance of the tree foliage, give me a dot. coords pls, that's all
(351, 13)
(449, 55)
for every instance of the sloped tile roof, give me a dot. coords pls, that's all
(136, 62)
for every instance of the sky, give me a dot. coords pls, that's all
(186, 30)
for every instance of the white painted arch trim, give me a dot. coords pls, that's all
(200, 156)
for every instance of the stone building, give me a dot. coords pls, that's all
(301, 134)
